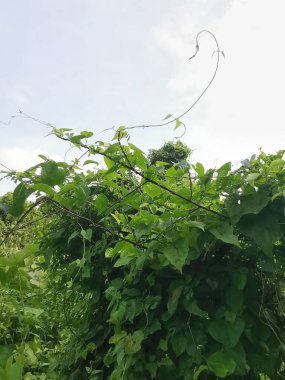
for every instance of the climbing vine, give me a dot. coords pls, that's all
(167, 271)
(126, 266)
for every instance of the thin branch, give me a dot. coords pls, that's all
(93, 224)
(32, 222)
(6, 167)
(122, 150)
(125, 196)
(147, 179)
(171, 225)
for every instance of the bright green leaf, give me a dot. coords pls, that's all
(101, 203)
(199, 169)
(221, 364)
(177, 123)
(177, 253)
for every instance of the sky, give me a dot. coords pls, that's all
(92, 65)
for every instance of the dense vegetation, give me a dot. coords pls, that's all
(143, 268)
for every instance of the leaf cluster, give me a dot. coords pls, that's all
(167, 271)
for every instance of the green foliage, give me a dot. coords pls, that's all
(152, 272)
(170, 153)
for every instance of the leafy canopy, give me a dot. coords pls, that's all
(163, 272)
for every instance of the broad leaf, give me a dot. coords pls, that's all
(221, 364)
(225, 233)
(133, 342)
(234, 299)
(225, 332)
(101, 203)
(177, 253)
(51, 174)
(86, 234)
(264, 229)
(173, 299)
(192, 308)
(179, 343)
(20, 195)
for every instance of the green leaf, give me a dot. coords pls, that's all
(120, 133)
(152, 190)
(239, 279)
(152, 369)
(4, 207)
(163, 344)
(177, 253)
(178, 343)
(239, 356)
(43, 188)
(264, 229)
(167, 116)
(80, 195)
(173, 299)
(133, 342)
(33, 310)
(109, 163)
(5, 352)
(221, 364)
(177, 123)
(200, 369)
(224, 232)
(254, 203)
(76, 139)
(161, 163)
(14, 372)
(87, 234)
(86, 134)
(251, 178)
(143, 222)
(247, 204)
(276, 166)
(122, 261)
(234, 299)
(117, 337)
(226, 332)
(51, 174)
(72, 236)
(196, 224)
(199, 169)
(101, 203)
(192, 308)
(87, 162)
(20, 195)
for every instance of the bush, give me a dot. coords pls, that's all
(166, 272)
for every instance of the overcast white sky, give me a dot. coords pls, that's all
(90, 65)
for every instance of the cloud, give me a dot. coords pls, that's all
(18, 158)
